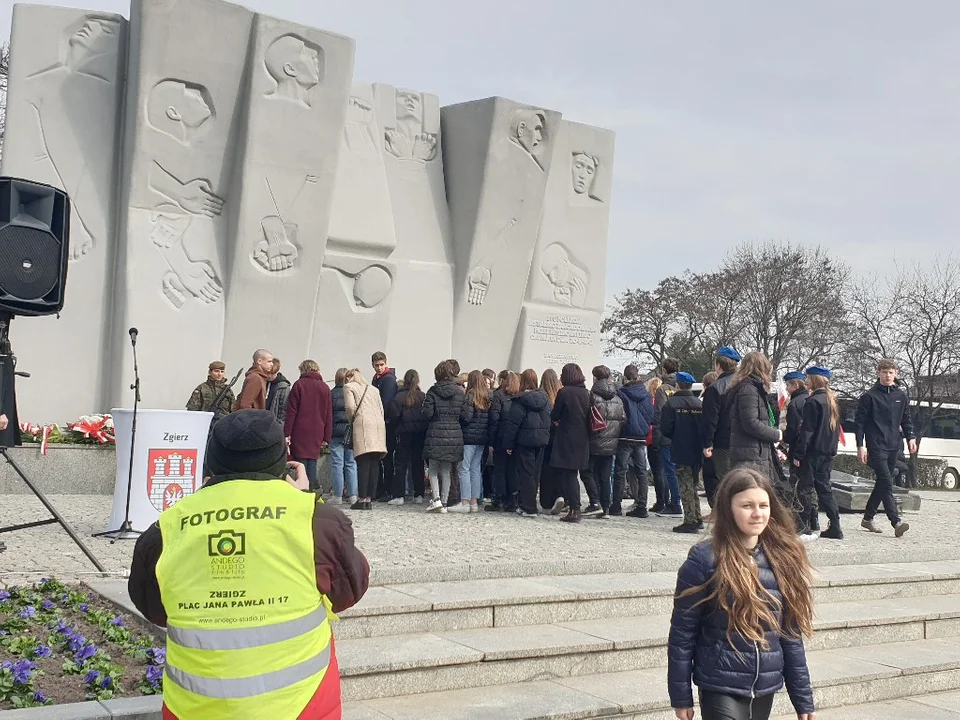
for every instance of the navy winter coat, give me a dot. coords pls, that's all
(681, 421)
(528, 423)
(638, 406)
(403, 420)
(883, 419)
(475, 424)
(441, 409)
(340, 420)
(386, 385)
(499, 409)
(699, 647)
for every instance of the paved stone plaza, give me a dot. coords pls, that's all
(406, 544)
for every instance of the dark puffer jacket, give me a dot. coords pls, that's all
(751, 435)
(403, 420)
(815, 436)
(528, 424)
(475, 423)
(499, 409)
(604, 396)
(340, 420)
(699, 647)
(441, 409)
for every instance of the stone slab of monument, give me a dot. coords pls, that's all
(297, 84)
(566, 286)
(63, 110)
(852, 493)
(496, 154)
(422, 295)
(356, 284)
(185, 108)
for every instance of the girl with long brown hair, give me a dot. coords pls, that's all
(753, 423)
(405, 417)
(525, 435)
(742, 606)
(550, 491)
(504, 466)
(475, 422)
(813, 453)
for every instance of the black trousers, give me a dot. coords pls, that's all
(385, 473)
(569, 483)
(717, 706)
(409, 456)
(487, 465)
(630, 455)
(368, 469)
(504, 477)
(528, 461)
(550, 488)
(710, 479)
(659, 480)
(815, 476)
(596, 479)
(883, 465)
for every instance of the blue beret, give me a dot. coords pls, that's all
(686, 377)
(795, 375)
(728, 352)
(819, 370)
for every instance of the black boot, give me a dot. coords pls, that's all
(571, 517)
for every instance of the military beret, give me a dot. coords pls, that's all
(794, 375)
(729, 352)
(819, 370)
(686, 378)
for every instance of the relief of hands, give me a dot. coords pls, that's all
(398, 144)
(197, 197)
(425, 147)
(479, 282)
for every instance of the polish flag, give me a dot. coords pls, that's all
(782, 396)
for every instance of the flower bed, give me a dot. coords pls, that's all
(60, 645)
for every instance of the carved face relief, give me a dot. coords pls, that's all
(296, 67)
(96, 36)
(177, 109)
(530, 132)
(584, 171)
(409, 105)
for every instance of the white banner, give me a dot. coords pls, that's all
(167, 462)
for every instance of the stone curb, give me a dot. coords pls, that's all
(135, 708)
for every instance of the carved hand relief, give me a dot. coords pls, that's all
(296, 66)
(186, 277)
(528, 131)
(477, 285)
(584, 171)
(278, 249)
(178, 109)
(359, 131)
(194, 196)
(88, 47)
(569, 280)
(407, 140)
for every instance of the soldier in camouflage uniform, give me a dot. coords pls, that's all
(205, 394)
(682, 422)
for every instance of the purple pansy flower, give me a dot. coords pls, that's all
(84, 607)
(22, 671)
(154, 674)
(4, 595)
(28, 612)
(157, 655)
(86, 652)
(75, 641)
(117, 621)
(43, 651)
(39, 697)
(106, 683)
(92, 677)
(47, 605)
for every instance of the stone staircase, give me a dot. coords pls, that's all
(574, 646)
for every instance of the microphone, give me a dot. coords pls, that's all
(133, 335)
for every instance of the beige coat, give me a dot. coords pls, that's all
(369, 430)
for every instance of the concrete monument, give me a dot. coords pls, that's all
(234, 188)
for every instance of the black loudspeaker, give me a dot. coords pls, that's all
(34, 247)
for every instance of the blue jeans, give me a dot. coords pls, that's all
(344, 469)
(311, 467)
(670, 474)
(471, 473)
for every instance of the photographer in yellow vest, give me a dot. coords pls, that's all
(246, 574)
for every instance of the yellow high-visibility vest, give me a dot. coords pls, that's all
(247, 629)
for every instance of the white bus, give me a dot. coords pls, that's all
(941, 442)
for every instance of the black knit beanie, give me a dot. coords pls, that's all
(247, 441)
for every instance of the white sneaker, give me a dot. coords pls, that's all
(808, 538)
(336, 500)
(461, 508)
(558, 506)
(418, 500)
(475, 508)
(395, 501)
(352, 500)
(436, 507)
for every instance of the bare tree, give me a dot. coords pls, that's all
(4, 74)
(642, 322)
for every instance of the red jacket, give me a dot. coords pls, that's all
(309, 419)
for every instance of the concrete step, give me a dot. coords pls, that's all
(941, 706)
(548, 599)
(414, 663)
(841, 677)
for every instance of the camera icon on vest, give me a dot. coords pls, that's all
(227, 543)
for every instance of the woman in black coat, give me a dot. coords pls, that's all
(525, 436)
(739, 644)
(504, 466)
(753, 430)
(603, 443)
(405, 419)
(571, 443)
(444, 442)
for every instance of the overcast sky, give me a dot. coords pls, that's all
(817, 122)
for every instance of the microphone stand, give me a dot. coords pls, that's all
(126, 530)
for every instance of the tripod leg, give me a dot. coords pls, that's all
(53, 511)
